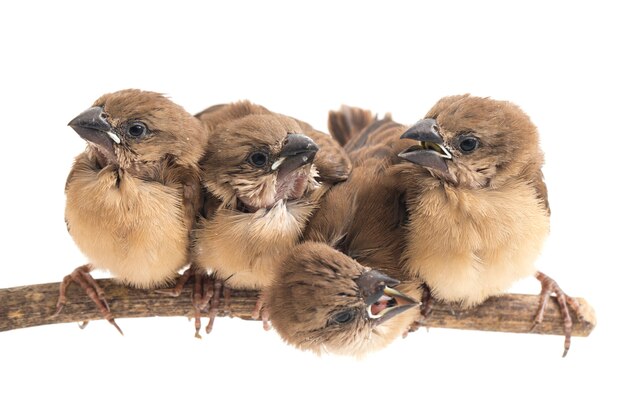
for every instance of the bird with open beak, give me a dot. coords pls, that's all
(265, 173)
(343, 291)
(326, 302)
(133, 194)
(478, 210)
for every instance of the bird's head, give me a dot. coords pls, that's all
(324, 301)
(259, 160)
(134, 130)
(474, 142)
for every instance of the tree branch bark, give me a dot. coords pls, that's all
(35, 305)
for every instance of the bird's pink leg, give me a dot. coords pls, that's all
(176, 290)
(200, 295)
(215, 303)
(548, 287)
(265, 317)
(82, 276)
(262, 313)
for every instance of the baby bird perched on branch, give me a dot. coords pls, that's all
(477, 203)
(133, 195)
(327, 297)
(265, 174)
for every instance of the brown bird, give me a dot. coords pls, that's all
(478, 210)
(325, 301)
(133, 194)
(327, 297)
(265, 173)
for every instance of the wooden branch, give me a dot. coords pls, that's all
(34, 305)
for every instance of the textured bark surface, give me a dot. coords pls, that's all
(34, 305)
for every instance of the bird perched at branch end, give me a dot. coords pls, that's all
(476, 198)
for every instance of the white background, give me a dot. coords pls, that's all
(563, 64)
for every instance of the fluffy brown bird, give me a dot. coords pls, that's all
(323, 299)
(478, 210)
(133, 194)
(265, 173)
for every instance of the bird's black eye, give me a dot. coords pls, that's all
(468, 143)
(137, 129)
(344, 317)
(258, 159)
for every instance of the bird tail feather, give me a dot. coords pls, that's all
(348, 122)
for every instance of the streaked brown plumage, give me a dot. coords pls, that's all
(359, 226)
(265, 173)
(133, 195)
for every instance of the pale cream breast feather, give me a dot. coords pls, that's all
(134, 229)
(245, 248)
(502, 234)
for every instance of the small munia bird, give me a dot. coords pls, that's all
(477, 204)
(133, 194)
(325, 301)
(343, 291)
(265, 174)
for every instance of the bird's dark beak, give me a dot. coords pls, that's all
(430, 151)
(93, 127)
(383, 302)
(297, 150)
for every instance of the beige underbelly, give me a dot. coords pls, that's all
(136, 231)
(245, 249)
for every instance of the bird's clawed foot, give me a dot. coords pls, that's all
(207, 291)
(548, 287)
(219, 290)
(201, 293)
(200, 297)
(180, 284)
(82, 276)
(261, 312)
